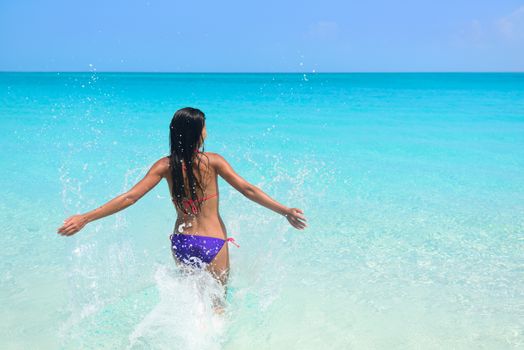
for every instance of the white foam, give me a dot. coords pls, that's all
(184, 317)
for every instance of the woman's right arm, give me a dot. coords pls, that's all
(75, 223)
(293, 215)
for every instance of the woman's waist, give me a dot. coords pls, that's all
(206, 227)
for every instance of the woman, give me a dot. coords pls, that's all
(200, 234)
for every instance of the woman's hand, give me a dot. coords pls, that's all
(296, 218)
(72, 225)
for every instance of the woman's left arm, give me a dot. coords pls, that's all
(75, 223)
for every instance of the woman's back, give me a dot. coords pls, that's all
(203, 219)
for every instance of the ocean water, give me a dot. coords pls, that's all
(413, 186)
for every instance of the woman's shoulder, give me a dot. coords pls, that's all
(214, 158)
(213, 155)
(164, 161)
(162, 164)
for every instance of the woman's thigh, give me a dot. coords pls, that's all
(219, 267)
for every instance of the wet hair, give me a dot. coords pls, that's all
(185, 135)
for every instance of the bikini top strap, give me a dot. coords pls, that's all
(189, 203)
(208, 197)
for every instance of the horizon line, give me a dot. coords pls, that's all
(257, 72)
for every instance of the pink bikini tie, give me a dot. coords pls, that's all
(232, 240)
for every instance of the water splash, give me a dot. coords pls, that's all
(184, 317)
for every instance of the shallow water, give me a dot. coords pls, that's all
(413, 186)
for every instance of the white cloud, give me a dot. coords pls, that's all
(503, 30)
(512, 25)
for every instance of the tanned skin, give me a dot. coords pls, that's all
(208, 221)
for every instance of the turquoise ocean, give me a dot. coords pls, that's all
(412, 184)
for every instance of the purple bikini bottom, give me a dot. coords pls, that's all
(194, 249)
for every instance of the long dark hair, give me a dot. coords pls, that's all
(185, 135)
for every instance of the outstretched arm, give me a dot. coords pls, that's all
(293, 215)
(75, 223)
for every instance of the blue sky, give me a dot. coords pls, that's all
(262, 36)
